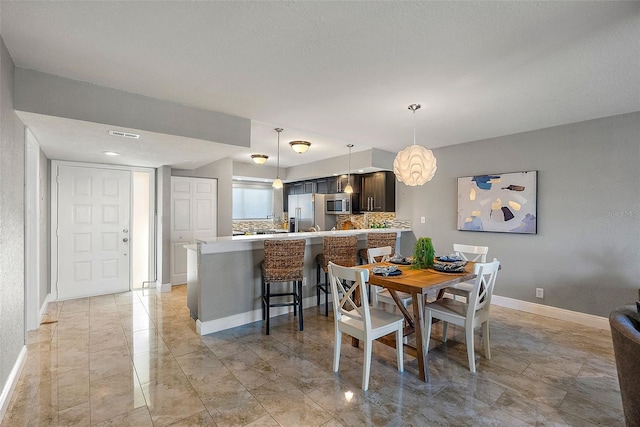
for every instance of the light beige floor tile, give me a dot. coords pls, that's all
(79, 415)
(89, 366)
(145, 340)
(200, 419)
(265, 421)
(106, 338)
(592, 411)
(115, 395)
(171, 399)
(234, 407)
(154, 365)
(110, 361)
(138, 417)
(73, 388)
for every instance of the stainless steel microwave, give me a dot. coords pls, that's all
(338, 204)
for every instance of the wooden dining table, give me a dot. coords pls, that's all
(417, 282)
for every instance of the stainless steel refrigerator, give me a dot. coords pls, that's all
(306, 211)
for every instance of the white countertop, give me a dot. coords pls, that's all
(254, 241)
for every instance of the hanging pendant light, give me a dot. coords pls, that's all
(349, 189)
(415, 165)
(277, 183)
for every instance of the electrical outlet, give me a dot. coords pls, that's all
(423, 220)
(539, 293)
(304, 281)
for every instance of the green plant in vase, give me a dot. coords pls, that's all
(423, 253)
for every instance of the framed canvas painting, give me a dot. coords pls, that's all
(503, 203)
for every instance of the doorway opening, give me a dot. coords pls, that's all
(142, 259)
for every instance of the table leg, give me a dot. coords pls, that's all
(421, 346)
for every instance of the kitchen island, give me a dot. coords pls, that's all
(224, 278)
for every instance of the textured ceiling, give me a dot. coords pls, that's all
(340, 72)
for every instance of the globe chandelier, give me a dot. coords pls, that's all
(415, 165)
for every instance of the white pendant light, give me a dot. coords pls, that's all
(349, 189)
(415, 165)
(277, 183)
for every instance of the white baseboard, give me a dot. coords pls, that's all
(164, 287)
(553, 312)
(12, 381)
(43, 309)
(217, 325)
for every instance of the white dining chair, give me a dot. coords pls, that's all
(379, 294)
(468, 315)
(467, 253)
(359, 320)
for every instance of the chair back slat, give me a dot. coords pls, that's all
(471, 253)
(384, 252)
(344, 301)
(480, 296)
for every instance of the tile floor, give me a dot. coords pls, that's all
(135, 359)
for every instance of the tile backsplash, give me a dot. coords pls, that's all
(253, 225)
(359, 221)
(366, 220)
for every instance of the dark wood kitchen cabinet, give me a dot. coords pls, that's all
(337, 184)
(378, 192)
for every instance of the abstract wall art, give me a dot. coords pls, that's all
(503, 203)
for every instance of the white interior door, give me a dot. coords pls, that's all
(193, 216)
(93, 231)
(204, 208)
(181, 229)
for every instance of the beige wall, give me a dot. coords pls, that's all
(12, 152)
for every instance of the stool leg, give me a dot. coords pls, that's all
(268, 305)
(326, 294)
(300, 302)
(264, 311)
(318, 284)
(295, 297)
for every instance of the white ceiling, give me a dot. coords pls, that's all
(333, 73)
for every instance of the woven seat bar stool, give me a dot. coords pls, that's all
(283, 263)
(340, 250)
(378, 240)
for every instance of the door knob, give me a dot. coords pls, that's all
(125, 240)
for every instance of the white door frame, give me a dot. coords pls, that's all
(32, 232)
(54, 215)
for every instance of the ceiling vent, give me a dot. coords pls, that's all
(124, 134)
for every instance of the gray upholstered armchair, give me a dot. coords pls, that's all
(625, 332)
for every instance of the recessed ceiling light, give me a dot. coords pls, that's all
(110, 153)
(360, 170)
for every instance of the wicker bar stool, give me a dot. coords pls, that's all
(341, 250)
(283, 262)
(378, 240)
